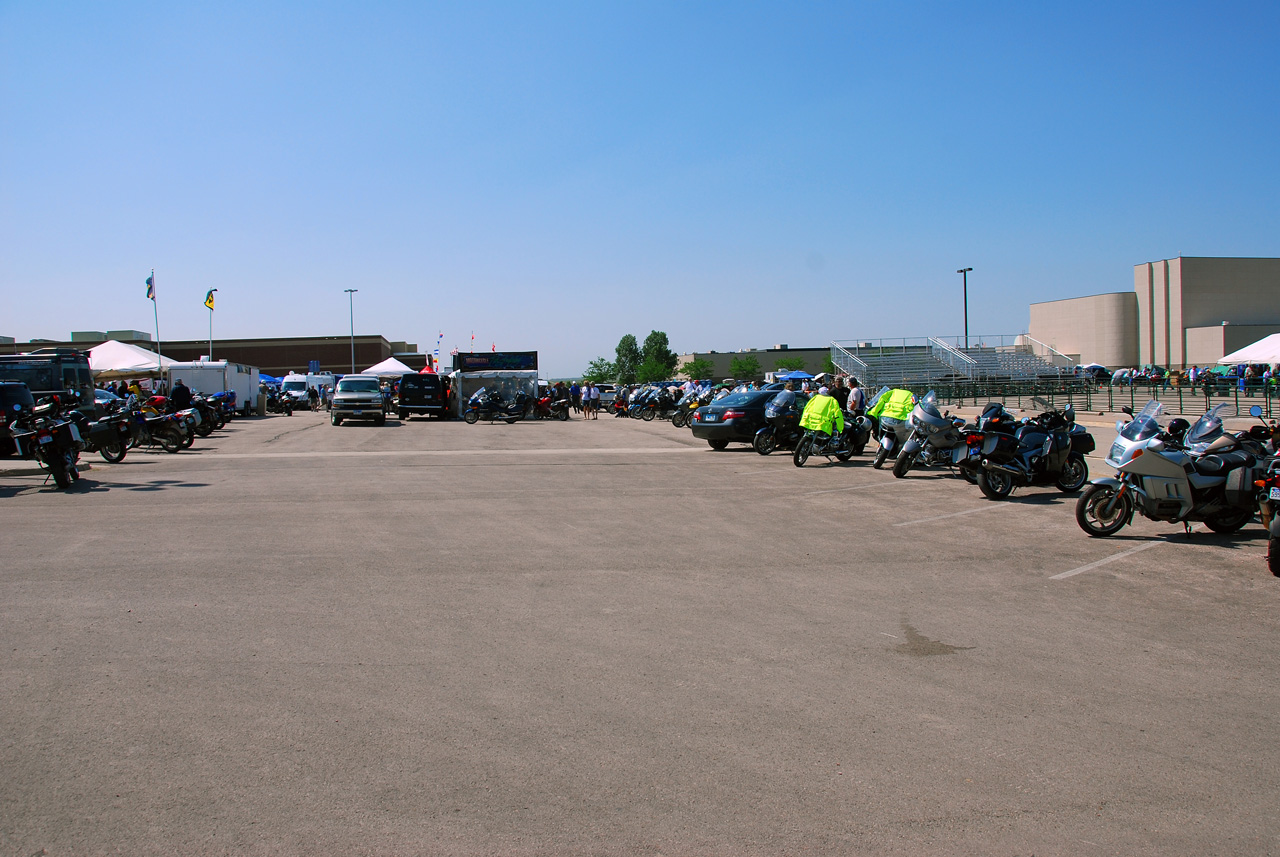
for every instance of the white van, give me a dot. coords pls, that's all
(294, 386)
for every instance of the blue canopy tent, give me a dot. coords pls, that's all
(796, 375)
(264, 378)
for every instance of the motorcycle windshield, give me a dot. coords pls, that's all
(872, 403)
(477, 396)
(1143, 425)
(929, 404)
(779, 404)
(1208, 428)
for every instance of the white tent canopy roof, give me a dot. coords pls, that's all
(1266, 350)
(114, 359)
(390, 366)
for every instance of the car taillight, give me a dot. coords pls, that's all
(697, 416)
(734, 415)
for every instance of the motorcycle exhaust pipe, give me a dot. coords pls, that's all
(987, 464)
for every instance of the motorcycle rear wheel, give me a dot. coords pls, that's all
(1229, 522)
(112, 451)
(562, 415)
(471, 417)
(1074, 473)
(764, 442)
(1273, 556)
(901, 465)
(61, 477)
(994, 484)
(844, 455)
(169, 441)
(1100, 511)
(205, 428)
(882, 455)
(510, 421)
(803, 448)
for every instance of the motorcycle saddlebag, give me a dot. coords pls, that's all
(1239, 489)
(999, 444)
(1082, 443)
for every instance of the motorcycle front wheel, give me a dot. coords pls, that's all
(994, 484)
(901, 465)
(882, 455)
(764, 442)
(649, 414)
(678, 419)
(1102, 510)
(471, 417)
(1074, 473)
(188, 439)
(803, 448)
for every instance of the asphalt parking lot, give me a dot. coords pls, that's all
(605, 638)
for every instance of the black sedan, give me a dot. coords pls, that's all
(733, 419)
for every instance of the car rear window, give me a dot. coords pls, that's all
(734, 399)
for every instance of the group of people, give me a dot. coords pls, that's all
(1242, 376)
(584, 398)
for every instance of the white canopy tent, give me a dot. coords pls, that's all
(391, 367)
(1265, 350)
(114, 359)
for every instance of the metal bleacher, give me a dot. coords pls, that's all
(946, 360)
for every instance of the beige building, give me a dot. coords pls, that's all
(1184, 311)
(1094, 329)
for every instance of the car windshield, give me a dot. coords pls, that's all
(1208, 428)
(1143, 425)
(358, 385)
(295, 386)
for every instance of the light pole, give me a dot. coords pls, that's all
(351, 300)
(965, 273)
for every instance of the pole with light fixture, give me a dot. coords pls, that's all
(351, 300)
(965, 273)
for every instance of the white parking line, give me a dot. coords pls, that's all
(951, 515)
(1138, 549)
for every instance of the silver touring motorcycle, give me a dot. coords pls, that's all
(1207, 476)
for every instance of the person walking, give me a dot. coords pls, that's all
(575, 397)
(595, 401)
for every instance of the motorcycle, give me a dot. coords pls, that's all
(813, 442)
(936, 439)
(108, 436)
(1269, 505)
(279, 404)
(51, 439)
(548, 408)
(489, 405)
(1207, 477)
(1048, 449)
(688, 404)
(783, 430)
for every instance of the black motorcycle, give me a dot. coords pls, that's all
(108, 436)
(783, 430)
(1047, 449)
(489, 405)
(50, 438)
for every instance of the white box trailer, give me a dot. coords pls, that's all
(213, 376)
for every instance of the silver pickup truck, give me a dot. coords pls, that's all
(357, 397)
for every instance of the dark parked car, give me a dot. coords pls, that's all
(15, 401)
(421, 394)
(733, 419)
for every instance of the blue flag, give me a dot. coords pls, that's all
(151, 287)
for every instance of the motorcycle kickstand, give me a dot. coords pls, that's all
(1186, 525)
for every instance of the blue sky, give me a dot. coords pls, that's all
(554, 175)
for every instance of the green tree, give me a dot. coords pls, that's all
(628, 359)
(789, 364)
(658, 350)
(698, 368)
(745, 368)
(829, 366)
(599, 371)
(651, 371)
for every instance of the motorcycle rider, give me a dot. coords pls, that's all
(823, 414)
(895, 405)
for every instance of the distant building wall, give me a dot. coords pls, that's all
(1206, 345)
(1176, 296)
(1094, 329)
(815, 360)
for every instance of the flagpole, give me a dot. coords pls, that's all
(209, 303)
(155, 306)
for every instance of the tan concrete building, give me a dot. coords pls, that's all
(1094, 329)
(1184, 311)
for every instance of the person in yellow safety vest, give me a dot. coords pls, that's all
(822, 412)
(895, 404)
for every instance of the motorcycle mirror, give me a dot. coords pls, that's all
(1126, 409)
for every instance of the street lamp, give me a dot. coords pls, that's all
(965, 273)
(351, 301)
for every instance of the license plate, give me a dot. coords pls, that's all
(708, 418)
(1275, 494)
(50, 440)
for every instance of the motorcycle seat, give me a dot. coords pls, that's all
(1216, 465)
